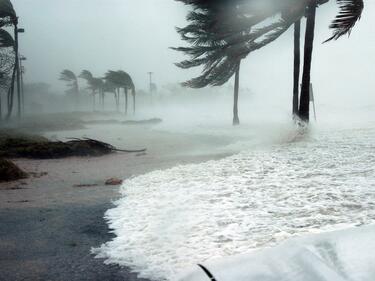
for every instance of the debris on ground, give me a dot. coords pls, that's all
(143, 122)
(113, 181)
(10, 171)
(85, 185)
(38, 175)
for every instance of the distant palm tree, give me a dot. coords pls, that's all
(109, 87)
(122, 80)
(72, 82)
(95, 85)
(113, 81)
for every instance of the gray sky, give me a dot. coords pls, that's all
(134, 35)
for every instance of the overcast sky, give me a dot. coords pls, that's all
(134, 35)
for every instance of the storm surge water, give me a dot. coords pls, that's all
(169, 220)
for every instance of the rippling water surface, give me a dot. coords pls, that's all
(172, 219)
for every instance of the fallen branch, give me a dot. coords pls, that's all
(13, 148)
(106, 145)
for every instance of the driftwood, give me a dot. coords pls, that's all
(14, 148)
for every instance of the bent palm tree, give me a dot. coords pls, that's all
(223, 33)
(72, 82)
(122, 80)
(95, 85)
(259, 27)
(127, 84)
(109, 87)
(112, 81)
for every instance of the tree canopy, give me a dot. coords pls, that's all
(222, 32)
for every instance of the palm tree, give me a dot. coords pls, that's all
(214, 57)
(222, 33)
(127, 84)
(112, 79)
(72, 82)
(96, 86)
(122, 80)
(109, 87)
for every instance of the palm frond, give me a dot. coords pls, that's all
(6, 40)
(68, 76)
(7, 10)
(87, 75)
(350, 12)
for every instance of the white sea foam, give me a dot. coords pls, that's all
(169, 220)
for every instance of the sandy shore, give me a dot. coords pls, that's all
(48, 224)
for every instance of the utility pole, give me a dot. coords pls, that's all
(18, 70)
(22, 71)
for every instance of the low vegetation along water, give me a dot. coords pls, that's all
(172, 219)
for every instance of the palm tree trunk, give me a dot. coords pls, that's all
(103, 97)
(76, 89)
(126, 101)
(236, 120)
(93, 101)
(304, 108)
(297, 63)
(117, 94)
(133, 102)
(1, 110)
